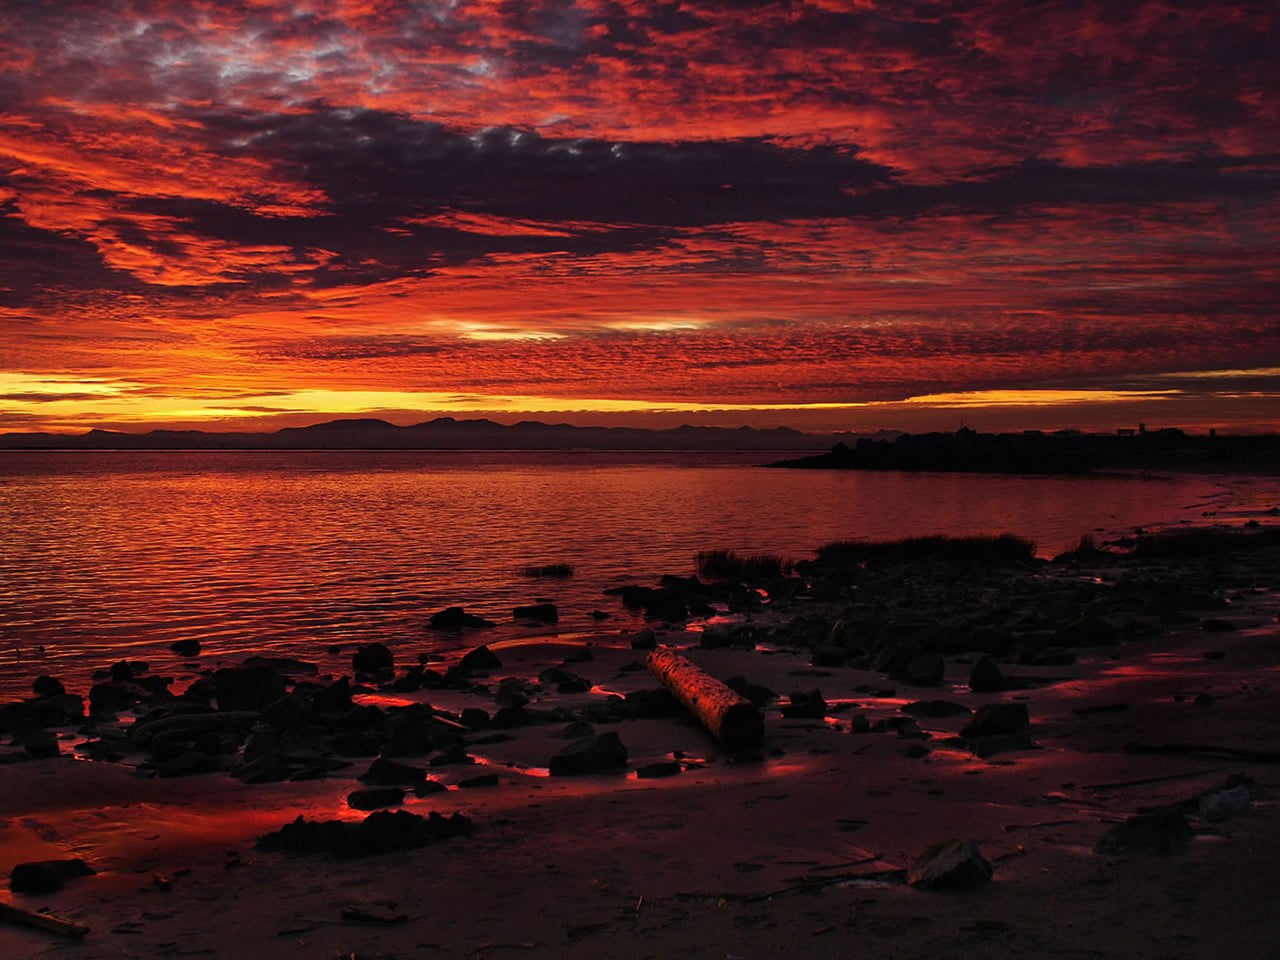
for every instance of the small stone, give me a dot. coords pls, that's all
(925, 670)
(456, 618)
(986, 677)
(807, 704)
(479, 660)
(1224, 804)
(387, 773)
(46, 686)
(577, 730)
(661, 768)
(1156, 833)
(590, 755)
(374, 798)
(538, 612)
(644, 639)
(997, 718)
(46, 876)
(484, 780)
(373, 660)
(950, 864)
(185, 648)
(40, 744)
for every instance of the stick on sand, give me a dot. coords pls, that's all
(44, 921)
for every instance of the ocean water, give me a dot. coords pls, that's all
(106, 555)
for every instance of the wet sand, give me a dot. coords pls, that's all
(799, 852)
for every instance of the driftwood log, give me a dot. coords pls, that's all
(44, 921)
(731, 719)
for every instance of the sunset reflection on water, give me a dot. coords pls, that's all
(109, 555)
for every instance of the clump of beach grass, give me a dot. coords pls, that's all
(1086, 550)
(728, 565)
(1002, 549)
(546, 571)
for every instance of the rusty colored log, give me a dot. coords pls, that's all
(44, 921)
(731, 719)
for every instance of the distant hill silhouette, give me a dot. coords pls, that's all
(1065, 451)
(443, 433)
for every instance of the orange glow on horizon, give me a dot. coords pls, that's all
(850, 215)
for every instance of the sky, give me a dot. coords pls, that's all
(828, 214)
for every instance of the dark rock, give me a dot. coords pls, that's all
(949, 865)
(936, 708)
(46, 686)
(986, 677)
(124, 670)
(513, 692)
(479, 660)
(106, 699)
(599, 615)
(577, 730)
(539, 612)
(651, 703)
(757, 694)
(1216, 625)
(373, 660)
(1219, 805)
(728, 636)
(429, 786)
(660, 768)
(374, 798)
(185, 648)
(805, 704)
(58, 710)
(483, 780)
(200, 691)
(380, 832)
(644, 639)
(926, 670)
(247, 688)
(905, 727)
(1155, 833)
(384, 772)
(285, 666)
(915, 751)
(455, 753)
(334, 698)
(456, 618)
(475, 719)
(507, 718)
(563, 680)
(590, 755)
(40, 744)
(46, 876)
(991, 745)
(993, 719)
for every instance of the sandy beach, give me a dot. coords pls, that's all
(800, 849)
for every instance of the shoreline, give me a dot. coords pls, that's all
(742, 858)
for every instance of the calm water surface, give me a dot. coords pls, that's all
(111, 554)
